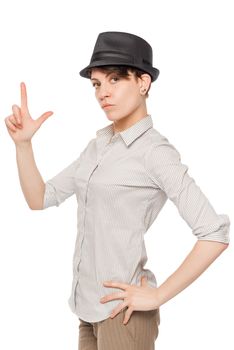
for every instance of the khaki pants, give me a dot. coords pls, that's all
(139, 333)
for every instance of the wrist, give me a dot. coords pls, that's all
(158, 297)
(23, 144)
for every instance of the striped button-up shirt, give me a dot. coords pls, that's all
(121, 182)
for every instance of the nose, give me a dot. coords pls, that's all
(103, 91)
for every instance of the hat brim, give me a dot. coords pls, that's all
(154, 72)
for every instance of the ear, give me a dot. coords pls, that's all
(145, 82)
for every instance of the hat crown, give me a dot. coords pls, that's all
(121, 48)
(129, 45)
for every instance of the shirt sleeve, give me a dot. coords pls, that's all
(169, 174)
(62, 186)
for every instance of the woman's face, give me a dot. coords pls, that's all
(123, 96)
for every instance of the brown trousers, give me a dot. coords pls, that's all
(139, 333)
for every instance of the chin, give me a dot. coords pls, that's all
(112, 117)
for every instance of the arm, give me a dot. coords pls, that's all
(196, 262)
(53, 192)
(169, 175)
(31, 182)
(39, 195)
(21, 128)
(63, 185)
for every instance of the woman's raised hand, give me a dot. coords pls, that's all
(20, 124)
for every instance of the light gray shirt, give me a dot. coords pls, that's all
(121, 182)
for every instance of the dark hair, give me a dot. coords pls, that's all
(121, 71)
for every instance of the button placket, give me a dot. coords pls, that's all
(99, 160)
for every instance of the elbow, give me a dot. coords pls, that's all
(222, 247)
(221, 244)
(211, 249)
(36, 206)
(215, 246)
(225, 245)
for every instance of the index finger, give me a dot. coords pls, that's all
(24, 102)
(119, 285)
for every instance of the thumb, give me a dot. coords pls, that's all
(144, 280)
(43, 117)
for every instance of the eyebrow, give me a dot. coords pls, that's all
(107, 74)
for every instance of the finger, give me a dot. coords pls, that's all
(113, 296)
(13, 120)
(119, 308)
(127, 315)
(24, 99)
(110, 284)
(144, 280)
(43, 117)
(9, 125)
(16, 111)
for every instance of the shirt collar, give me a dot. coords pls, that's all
(130, 134)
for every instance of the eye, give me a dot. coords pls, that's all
(115, 78)
(94, 84)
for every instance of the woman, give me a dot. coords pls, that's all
(122, 180)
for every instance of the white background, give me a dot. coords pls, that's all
(46, 44)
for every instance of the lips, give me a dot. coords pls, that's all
(106, 105)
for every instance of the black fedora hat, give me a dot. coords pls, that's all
(125, 49)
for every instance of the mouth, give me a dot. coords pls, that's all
(107, 106)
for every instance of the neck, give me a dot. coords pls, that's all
(126, 122)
